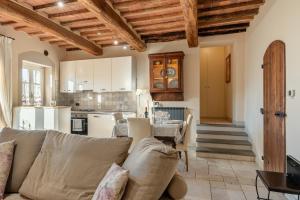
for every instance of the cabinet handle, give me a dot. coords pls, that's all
(96, 116)
(103, 89)
(122, 88)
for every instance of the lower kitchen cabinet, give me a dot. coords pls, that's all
(42, 118)
(100, 125)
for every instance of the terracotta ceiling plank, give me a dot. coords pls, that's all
(222, 29)
(231, 8)
(17, 12)
(223, 32)
(95, 37)
(95, 33)
(8, 23)
(175, 16)
(112, 20)
(89, 27)
(161, 25)
(211, 4)
(79, 21)
(165, 37)
(51, 5)
(66, 46)
(205, 24)
(58, 43)
(131, 6)
(153, 12)
(161, 31)
(36, 33)
(69, 13)
(190, 13)
(21, 28)
(73, 49)
(237, 25)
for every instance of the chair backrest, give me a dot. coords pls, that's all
(138, 129)
(118, 116)
(187, 133)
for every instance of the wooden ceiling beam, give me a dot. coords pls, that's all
(237, 25)
(190, 12)
(162, 30)
(161, 25)
(8, 23)
(254, 4)
(226, 17)
(69, 13)
(17, 12)
(209, 24)
(95, 33)
(211, 4)
(153, 12)
(112, 20)
(98, 27)
(79, 21)
(223, 32)
(164, 37)
(132, 6)
(51, 5)
(175, 16)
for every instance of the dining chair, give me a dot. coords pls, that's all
(138, 129)
(186, 132)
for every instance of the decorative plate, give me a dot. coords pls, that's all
(171, 71)
(173, 83)
(159, 85)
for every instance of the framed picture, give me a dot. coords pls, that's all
(228, 69)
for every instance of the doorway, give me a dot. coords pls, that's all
(274, 107)
(215, 85)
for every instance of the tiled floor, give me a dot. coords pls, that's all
(216, 179)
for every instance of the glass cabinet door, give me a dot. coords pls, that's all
(158, 74)
(173, 73)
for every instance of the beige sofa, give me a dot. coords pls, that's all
(49, 165)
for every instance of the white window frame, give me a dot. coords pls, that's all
(33, 67)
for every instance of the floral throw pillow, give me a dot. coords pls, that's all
(113, 184)
(6, 157)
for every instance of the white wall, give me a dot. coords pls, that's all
(237, 43)
(277, 21)
(24, 43)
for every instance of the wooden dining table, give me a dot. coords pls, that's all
(168, 132)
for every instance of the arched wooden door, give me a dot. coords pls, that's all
(274, 107)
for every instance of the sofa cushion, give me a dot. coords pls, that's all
(177, 188)
(6, 158)
(28, 145)
(15, 196)
(113, 184)
(151, 166)
(70, 167)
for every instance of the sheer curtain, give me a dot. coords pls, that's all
(5, 82)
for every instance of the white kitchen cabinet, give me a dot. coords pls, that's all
(28, 118)
(102, 75)
(84, 75)
(123, 74)
(57, 118)
(100, 125)
(42, 118)
(67, 76)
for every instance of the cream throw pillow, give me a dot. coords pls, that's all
(6, 157)
(113, 184)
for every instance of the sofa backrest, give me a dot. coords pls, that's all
(28, 145)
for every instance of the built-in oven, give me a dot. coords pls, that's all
(79, 124)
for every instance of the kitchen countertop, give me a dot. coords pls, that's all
(101, 111)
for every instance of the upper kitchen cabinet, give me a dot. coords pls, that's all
(102, 75)
(84, 75)
(67, 76)
(123, 74)
(166, 76)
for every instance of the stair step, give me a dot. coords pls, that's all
(221, 125)
(220, 141)
(219, 128)
(231, 133)
(245, 155)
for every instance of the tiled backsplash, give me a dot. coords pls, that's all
(124, 101)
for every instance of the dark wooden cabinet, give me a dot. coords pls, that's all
(166, 76)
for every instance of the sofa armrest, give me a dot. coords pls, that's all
(177, 188)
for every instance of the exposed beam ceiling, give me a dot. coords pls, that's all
(190, 11)
(17, 12)
(112, 20)
(51, 5)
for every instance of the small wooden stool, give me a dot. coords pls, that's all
(275, 182)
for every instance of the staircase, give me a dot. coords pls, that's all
(224, 142)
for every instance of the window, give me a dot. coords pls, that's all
(32, 85)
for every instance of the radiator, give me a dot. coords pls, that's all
(176, 113)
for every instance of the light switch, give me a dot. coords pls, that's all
(292, 93)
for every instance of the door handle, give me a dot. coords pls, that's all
(280, 114)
